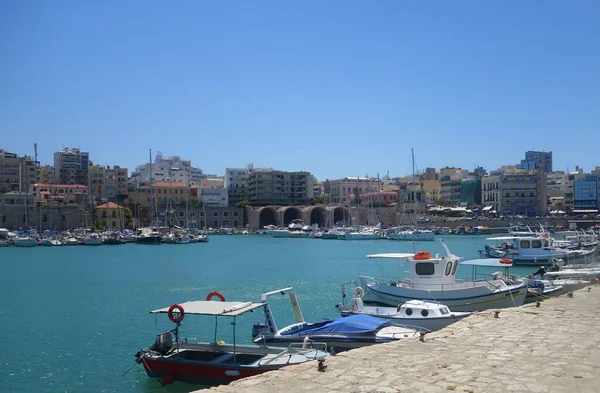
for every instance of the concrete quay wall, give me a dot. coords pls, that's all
(553, 348)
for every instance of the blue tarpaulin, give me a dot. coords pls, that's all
(359, 323)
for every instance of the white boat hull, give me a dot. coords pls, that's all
(25, 242)
(361, 236)
(410, 236)
(92, 242)
(431, 323)
(469, 298)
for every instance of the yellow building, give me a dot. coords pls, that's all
(44, 174)
(97, 176)
(111, 216)
(169, 193)
(431, 191)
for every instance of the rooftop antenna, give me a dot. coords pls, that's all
(35, 150)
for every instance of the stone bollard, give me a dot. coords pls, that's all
(589, 289)
(321, 365)
(570, 294)
(496, 314)
(422, 336)
(537, 304)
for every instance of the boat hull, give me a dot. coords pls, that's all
(362, 236)
(27, 242)
(412, 236)
(149, 240)
(431, 324)
(467, 299)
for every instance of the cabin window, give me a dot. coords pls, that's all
(424, 313)
(409, 311)
(449, 268)
(454, 268)
(524, 243)
(425, 269)
(545, 243)
(536, 244)
(444, 310)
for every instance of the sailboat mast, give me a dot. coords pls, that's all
(151, 192)
(412, 153)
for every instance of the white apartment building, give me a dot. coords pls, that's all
(343, 191)
(167, 169)
(236, 183)
(557, 183)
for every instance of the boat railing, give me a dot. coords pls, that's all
(444, 287)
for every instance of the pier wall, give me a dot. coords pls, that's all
(59, 218)
(554, 348)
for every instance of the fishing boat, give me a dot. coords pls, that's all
(433, 278)
(341, 334)
(148, 236)
(426, 315)
(173, 358)
(51, 242)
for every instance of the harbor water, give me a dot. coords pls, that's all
(72, 318)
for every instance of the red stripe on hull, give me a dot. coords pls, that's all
(200, 373)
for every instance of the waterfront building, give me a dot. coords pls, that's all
(44, 174)
(236, 182)
(268, 186)
(14, 212)
(491, 192)
(59, 193)
(470, 192)
(432, 190)
(450, 183)
(524, 192)
(557, 183)
(573, 177)
(111, 215)
(169, 193)
(71, 167)
(16, 172)
(429, 175)
(539, 160)
(96, 181)
(345, 191)
(585, 195)
(212, 192)
(378, 198)
(167, 169)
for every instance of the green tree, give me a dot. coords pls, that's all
(144, 215)
(243, 203)
(98, 225)
(129, 218)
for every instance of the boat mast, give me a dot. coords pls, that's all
(151, 193)
(412, 153)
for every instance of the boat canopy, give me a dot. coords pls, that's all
(360, 323)
(205, 307)
(491, 262)
(393, 255)
(507, 237)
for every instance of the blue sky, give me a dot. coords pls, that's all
(338, 88)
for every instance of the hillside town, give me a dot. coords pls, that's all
(76, 192)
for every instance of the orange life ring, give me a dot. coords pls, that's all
(217, 294)
(172, 317)
(506, 260)
(422, 255)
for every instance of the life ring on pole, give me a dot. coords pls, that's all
(359, 292)
(176, 308)
(506, 260)
(217, 294)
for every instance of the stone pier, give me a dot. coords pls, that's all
(553, 348)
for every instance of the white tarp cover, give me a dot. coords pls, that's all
(394, 255)
(487, 208)
(204, 307)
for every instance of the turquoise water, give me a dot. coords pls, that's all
(71, 318)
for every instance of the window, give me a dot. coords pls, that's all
(454, 268)
(426, 312)
(225, 214)
(448, 268)
(114, 214)
(236, 214)
(215, 214)
(236, 223)
(424, 268)
(114, 224)
(103, 214)
(4, 218)
(524, 244)
(409, 311)
(215, 223)
(536, 244)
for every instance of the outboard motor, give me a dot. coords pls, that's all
(163, 343)
(258, 329)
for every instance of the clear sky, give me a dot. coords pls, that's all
(338, 88)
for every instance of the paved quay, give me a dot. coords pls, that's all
(553, 348)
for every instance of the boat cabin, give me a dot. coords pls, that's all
(421, 309)
(425, 270)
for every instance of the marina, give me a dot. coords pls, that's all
(107, 292)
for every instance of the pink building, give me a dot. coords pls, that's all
(387, 197)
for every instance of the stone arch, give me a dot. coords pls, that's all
(341, 214)
(290, 213)
(318, 215)
(267, 216)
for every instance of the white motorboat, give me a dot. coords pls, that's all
(295, 229)
(427, 315)
(412, 235)
(533, 249)
(364, 234)
(51, 242)
(434, 279)
(93, 239)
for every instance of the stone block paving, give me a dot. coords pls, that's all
(553, 348)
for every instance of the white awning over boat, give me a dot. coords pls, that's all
(487, 208)
(490, 262)
(204, 307)
(393, 255)
(506, 237)
(585, 211)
